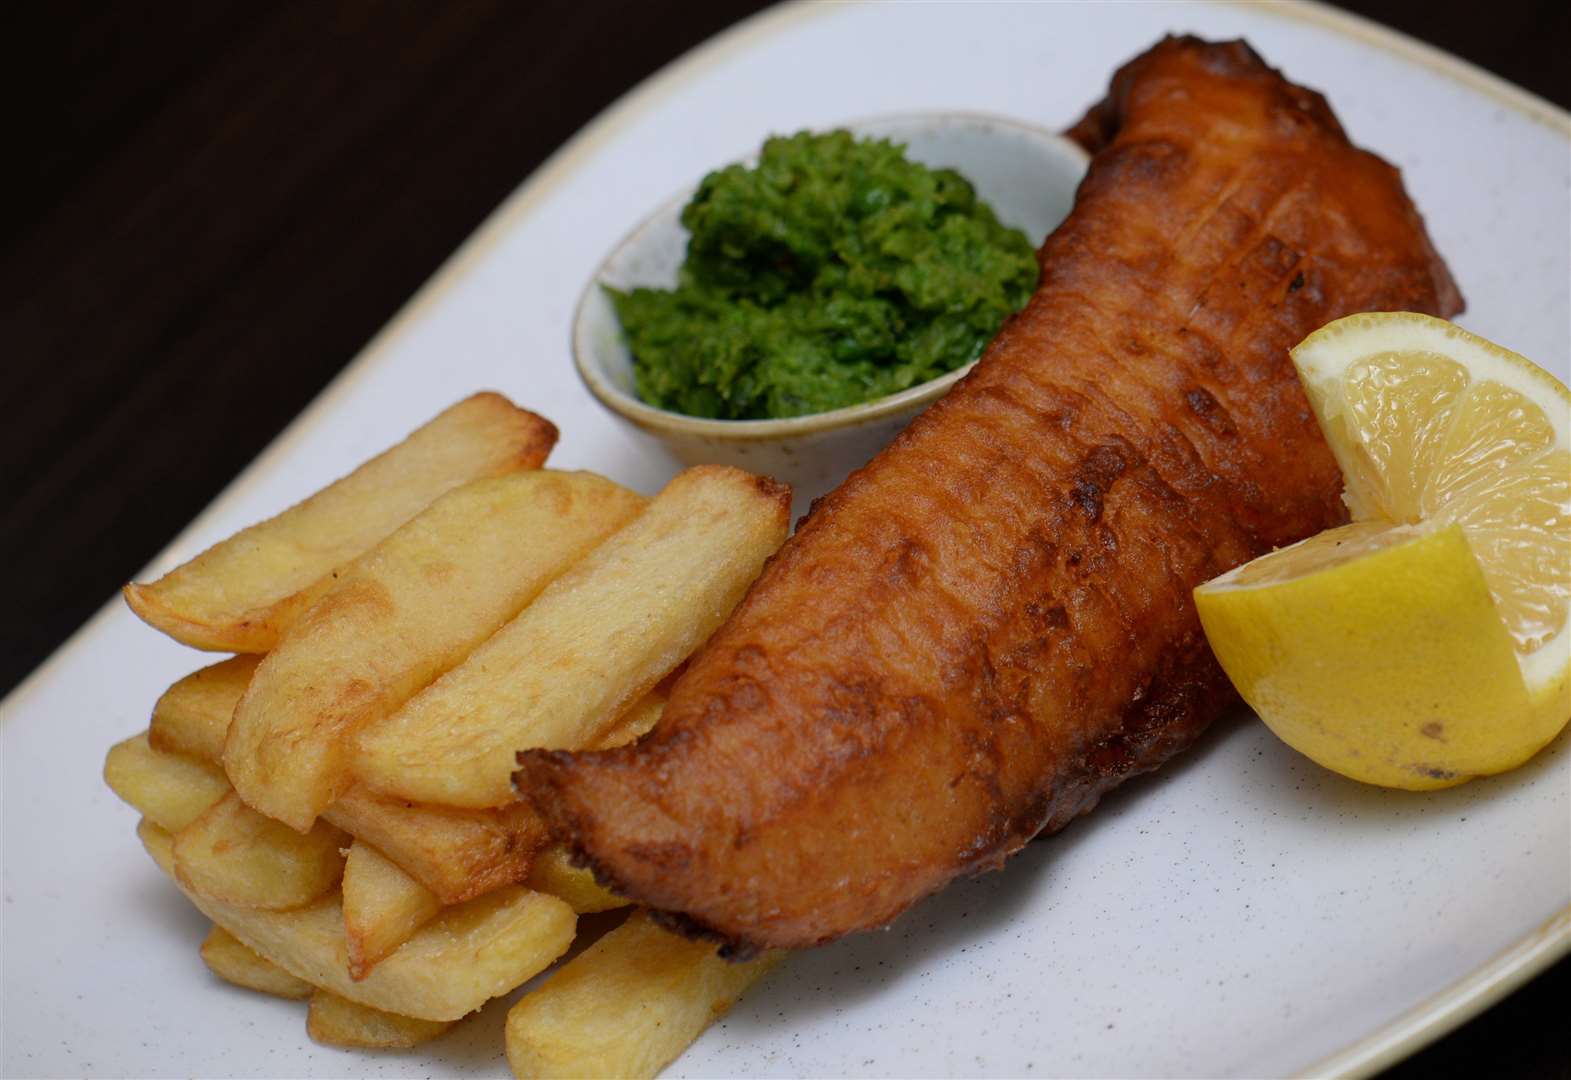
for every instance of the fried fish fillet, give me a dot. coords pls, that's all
(990, 625)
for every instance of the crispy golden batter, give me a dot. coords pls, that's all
(990, 625)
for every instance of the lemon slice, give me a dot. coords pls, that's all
(1428, 641)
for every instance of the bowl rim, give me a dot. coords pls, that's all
(654, 419)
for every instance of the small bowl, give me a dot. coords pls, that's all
(1026, 173)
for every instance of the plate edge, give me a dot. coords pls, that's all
(487, 234)
(1351, 24)
(1450, 1007)
(662, 82)
(1442, 1012)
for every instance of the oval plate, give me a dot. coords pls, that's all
(1241, 913)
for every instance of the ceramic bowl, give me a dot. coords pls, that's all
(1027, 174)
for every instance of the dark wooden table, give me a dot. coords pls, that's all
(220, 203)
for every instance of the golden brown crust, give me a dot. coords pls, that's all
(990, 625)
(457, 854)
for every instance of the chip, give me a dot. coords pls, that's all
(242, 593)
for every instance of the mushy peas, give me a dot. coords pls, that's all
(832, 273)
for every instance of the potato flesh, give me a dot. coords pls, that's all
(223, 849)
(593, 642)
(192, 716)
(242, 593)
(457, 854)
(553, 872)
(337, 1021)
(450, 967)
(639, 719)
(383, 907)
(236, 855)
(168, 789)
(627, 1006)
(231, 960)
(367, 938)
(399, 616)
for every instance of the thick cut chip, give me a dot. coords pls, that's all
(398, 617)
(383, 906)
(639, 720)
(627, 1006)
(233, 962)
(170, 790)
(553, 872)
(595, 640)
(234, 854)
(192, 716)
(457, 854)
(336, 1021)
(450, 967)
(242, 593)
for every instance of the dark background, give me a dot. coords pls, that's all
(215, 205)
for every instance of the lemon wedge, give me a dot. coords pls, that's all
(1427, 642)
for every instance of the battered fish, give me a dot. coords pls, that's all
(990, 625)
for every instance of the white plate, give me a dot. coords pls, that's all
(1242, 913)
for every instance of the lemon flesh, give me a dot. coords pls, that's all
(1427, 642)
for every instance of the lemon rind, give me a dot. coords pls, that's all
(1324, 357)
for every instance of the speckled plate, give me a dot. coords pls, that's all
(1242, 913)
